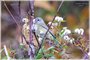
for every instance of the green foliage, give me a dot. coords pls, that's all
(50, 49)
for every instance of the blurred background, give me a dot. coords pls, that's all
(75, 13)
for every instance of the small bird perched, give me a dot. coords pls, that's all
(40, 28)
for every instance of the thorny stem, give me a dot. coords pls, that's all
(50, 25)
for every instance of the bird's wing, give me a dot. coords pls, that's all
(46, 28)
(54, 37)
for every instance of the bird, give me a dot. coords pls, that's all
(40, 28)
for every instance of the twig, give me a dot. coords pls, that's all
(31, 5)
(22, 36)
(19, 8)
(11, 14)
(36, 39)
(5, 49)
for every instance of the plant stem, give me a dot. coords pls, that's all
(11, 14)
(31, 3)
(31, 48)
(5, 49)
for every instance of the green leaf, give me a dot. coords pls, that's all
(61, 33)
(39, 56)
(51, 48)
(42, 49)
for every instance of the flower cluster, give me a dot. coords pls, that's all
(79, 31)
(25, 26)
(57, 21)
(65, 34)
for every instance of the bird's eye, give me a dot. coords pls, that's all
(38, 20)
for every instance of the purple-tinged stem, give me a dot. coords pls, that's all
(31, 46)
(31, 19)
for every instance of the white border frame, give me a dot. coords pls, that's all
(46, 0)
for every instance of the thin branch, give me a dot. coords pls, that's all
(31, 5)
(24, 38)
(36, 39)
(19, 8)
(6, 52)
(11, 14)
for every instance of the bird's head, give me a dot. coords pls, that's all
(38, 20)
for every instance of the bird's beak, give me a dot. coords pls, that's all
(34, 21)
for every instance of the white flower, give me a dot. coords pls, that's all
(66, 31)
(49, 23)
(66, 38)
(82, 31)
(79, 31)
(27, 27)
(24, 26)
(59, 19)
(72, 40)
(54, 24)
(25, 20)
(52, 27)
(64, 27)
